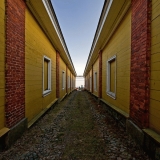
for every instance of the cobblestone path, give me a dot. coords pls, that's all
(75, 129)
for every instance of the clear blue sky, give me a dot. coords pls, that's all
(78, 20)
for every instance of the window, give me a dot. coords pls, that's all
(68, 82)
(111, 77)
(46, 75)
(95, 81)
(63, 80)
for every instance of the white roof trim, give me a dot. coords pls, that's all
(50, 13)
(107, 8)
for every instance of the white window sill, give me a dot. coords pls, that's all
(45, 93)
(112, 95)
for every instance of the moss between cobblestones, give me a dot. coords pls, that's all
(82, 141)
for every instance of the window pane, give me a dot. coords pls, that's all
(63, 80)
(45, 74)
(112, 76)
(95, 81)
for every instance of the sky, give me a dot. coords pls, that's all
(78, 20)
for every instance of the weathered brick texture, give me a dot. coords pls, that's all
(57, 74)
(15, 62)
(140, 62)
(100, 74)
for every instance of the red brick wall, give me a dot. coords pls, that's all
(57, 75)
(140, 62)
(15, 62)
(100, 74)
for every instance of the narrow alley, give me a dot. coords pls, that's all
(75, 129)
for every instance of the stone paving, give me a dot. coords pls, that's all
(75, 129)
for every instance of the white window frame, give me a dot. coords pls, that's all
(109, 93)
(95, 81)
(46, 92)
(68, 81)
(63, 80)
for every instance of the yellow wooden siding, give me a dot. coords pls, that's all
(73, 85)
(96, 70)
(72, 82)
(62, 68)
(37, 46)
(119, 45)
(2, 63)
(87, 82)
(90, 80)
(69, 81)
(154, 111)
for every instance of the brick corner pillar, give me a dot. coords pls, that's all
(140, 62)
(15, 62)
(100, 74)
(57, 74)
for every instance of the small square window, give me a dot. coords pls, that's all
(111, 77)
(46, 75)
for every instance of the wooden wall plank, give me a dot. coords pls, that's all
(119, 45)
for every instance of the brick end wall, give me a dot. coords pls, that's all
(140, 62)
(15, 62)
(57, 74)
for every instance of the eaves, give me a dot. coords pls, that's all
(112, 13)
(46, 17)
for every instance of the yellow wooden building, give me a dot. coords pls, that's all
(123, 67)
(122, 70)
(154, 110)
(116, 50)
(43, 40)
(48, 73)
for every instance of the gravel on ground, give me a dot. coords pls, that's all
(75, 129)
